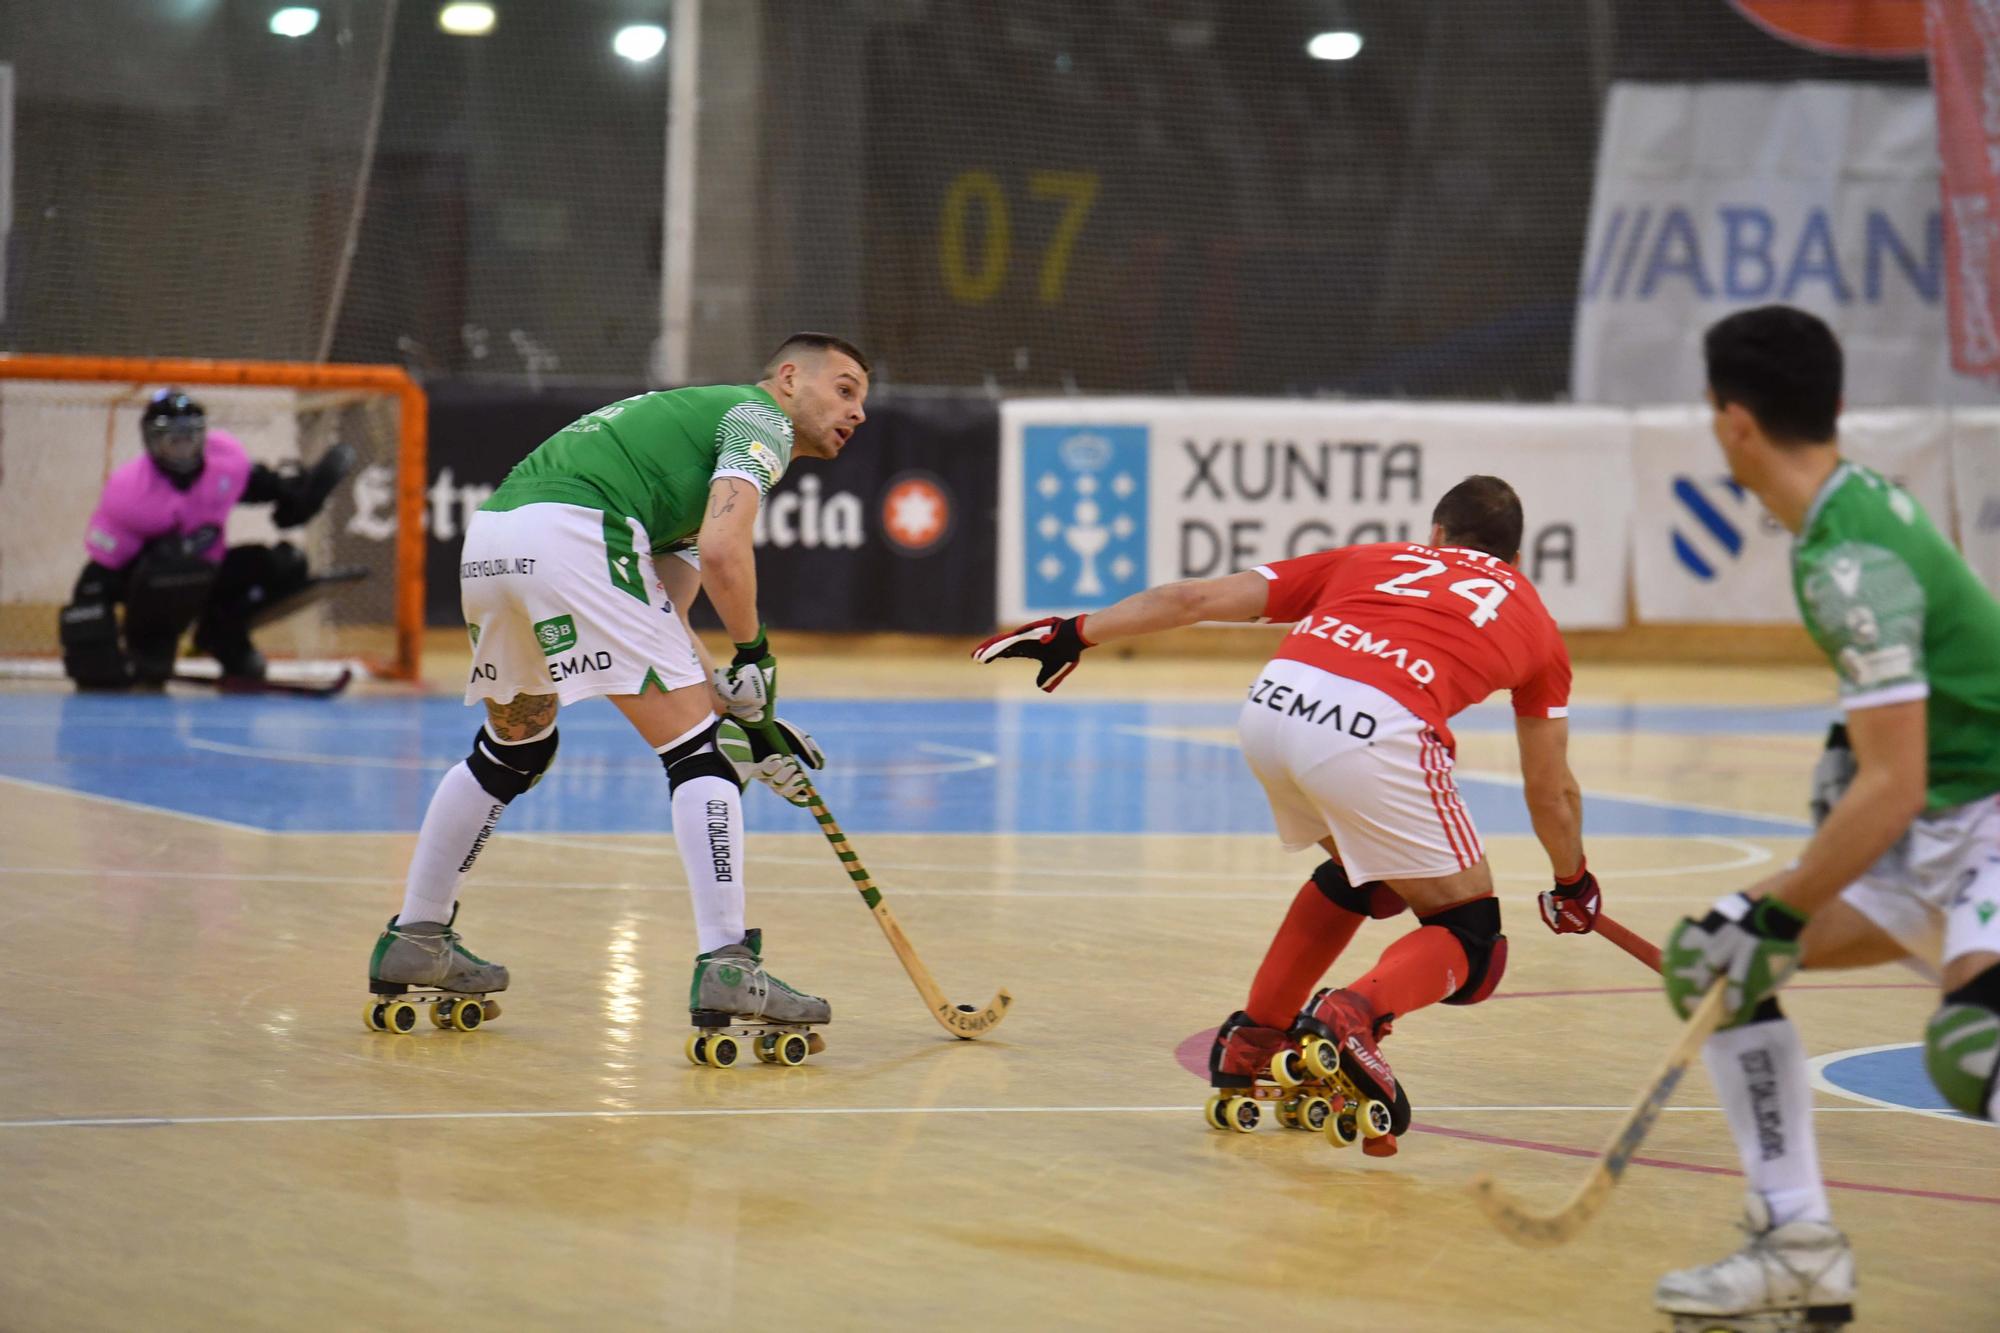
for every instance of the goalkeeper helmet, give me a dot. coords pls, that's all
(175, 430)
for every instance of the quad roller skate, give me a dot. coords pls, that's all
(1338, 1035)
(1250, 1065)
(1796, 1278)
(426, 962)
(733, 1003)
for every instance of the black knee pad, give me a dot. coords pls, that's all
(697, 758)
(1477, 925)
(1374, 899)
(505, 771)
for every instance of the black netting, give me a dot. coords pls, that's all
(1026, 195)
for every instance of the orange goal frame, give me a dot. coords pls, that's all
(410, 458)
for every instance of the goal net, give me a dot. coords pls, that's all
(67, 422)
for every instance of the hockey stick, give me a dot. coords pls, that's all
(318, 689)
(960, 1020)
(1643, 950)
(1562, 1225)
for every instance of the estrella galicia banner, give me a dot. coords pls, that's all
(1704, 549)
(895, 534)
(1102, 497)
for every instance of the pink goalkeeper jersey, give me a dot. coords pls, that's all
(140, 504)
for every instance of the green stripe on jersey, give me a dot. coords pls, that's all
(1901, 617)
(652, 457)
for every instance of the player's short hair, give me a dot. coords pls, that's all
(1783, 365)
(818, 342)
(1482, 513)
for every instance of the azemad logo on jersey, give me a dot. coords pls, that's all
(1083, 503)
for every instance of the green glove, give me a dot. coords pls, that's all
(749, 684)
(1755, 945)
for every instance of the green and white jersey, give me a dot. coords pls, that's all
(653, 456)
(1901, 616)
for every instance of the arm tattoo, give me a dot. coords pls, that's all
(719, 505)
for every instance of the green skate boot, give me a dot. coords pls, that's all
(732, 997)
(428, 959)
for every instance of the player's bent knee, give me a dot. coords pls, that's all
(505, 770)
(1477, 925)
(697, 757)
(1962, 1044)
(1373, 899)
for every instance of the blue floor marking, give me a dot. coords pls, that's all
(1895, 1076)
(369, 764)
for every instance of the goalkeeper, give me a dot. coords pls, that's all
(575, 580)
(157, 548)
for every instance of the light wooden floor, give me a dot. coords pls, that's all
(197, 1133)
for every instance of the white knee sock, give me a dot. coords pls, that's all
(461, 818)
(708, 830)
(1759, 1071)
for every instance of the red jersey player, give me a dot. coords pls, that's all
(1347, 730)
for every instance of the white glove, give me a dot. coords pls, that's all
(748, 685)
(751, 753)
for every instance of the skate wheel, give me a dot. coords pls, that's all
(1286, 1071)
(1313, 1113)
(1341, 1130)
(767, 1049)
(722, 1051)
(790, 1049)
(441, 1014)
(1211, 1111)
(1288, 1113)
(697, 1053)
(372, 1016)
(1321, 1057)
(1242, 1114)
(467, 1015)
(399, 1016)
(1375, 1120)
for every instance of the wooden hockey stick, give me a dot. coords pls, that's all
(1643, 950)
(960, 1020)
(1527, 1228)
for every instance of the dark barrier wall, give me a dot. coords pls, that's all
(896, 534)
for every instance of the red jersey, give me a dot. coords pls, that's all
(1435, 628)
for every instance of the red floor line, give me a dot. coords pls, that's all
(1667, 1164)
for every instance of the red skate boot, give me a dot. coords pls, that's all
(1338, 1035)
(1249, 1064)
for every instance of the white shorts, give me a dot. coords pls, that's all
(1342, 758)
(1937, 892)
(561, 599)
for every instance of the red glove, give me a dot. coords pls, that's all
(1054, 644)
(1571, 907)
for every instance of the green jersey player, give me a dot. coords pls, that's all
(575, 580)
(1905, 862)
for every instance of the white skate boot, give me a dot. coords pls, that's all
(426, 962)
(1799, 1276)
(732, 997)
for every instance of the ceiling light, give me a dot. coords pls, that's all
(466, 19)
(640, 42)
(294, 21)
(1334, 46)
